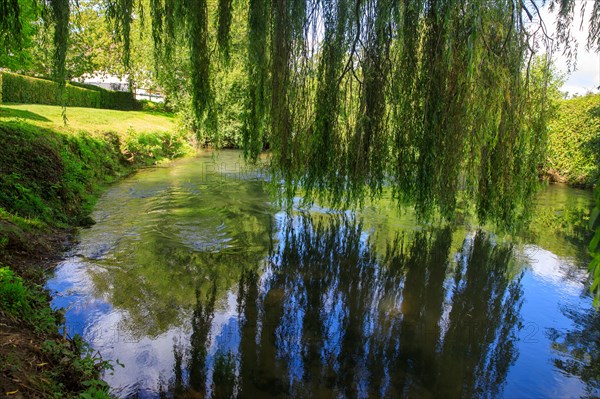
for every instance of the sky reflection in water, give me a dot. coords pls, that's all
(195, 282)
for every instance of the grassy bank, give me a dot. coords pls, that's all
(50, 176)
(90, 120)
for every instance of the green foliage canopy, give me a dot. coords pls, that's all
(433, 98)
(16, 34)
(91, 45)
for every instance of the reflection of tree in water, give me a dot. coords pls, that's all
(579, 348)
(332, 318)
(560, 222)
(154, 279)
(479, 345)
(199, 342)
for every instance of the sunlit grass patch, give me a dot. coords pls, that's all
(91, 120)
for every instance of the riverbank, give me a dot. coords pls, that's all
(50, 176)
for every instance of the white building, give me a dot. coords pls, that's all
(116, 83)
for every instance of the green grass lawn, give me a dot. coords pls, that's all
(92, 120)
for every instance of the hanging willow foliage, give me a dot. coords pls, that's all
(258, 76)
(224, 26)
(565, 10)
(121, 13)
(427, 97)
(197, 23)
(171, 20)
(431, 98)
(325, 132)
(10, 22)
(60, 12)
(55, 14)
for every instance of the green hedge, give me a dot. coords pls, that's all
(111, 99)
(27, 90)
(87, 86)
(574, 141)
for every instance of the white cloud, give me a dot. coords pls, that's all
(586, 78)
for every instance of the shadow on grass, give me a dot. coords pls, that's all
(17, 113)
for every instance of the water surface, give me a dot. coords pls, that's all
(201, 287)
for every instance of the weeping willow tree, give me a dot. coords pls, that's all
(55, 14)
(432, 98)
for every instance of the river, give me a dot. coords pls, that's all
(200, 286)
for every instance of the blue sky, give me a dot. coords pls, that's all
(586, 78)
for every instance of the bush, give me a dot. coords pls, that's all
(118, 100)
(21, 89)
(151, 106)
(150, 148)
(30, 304)
(574, 141)
(27, 90)
(13, 294)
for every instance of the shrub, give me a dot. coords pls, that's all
(13, 294)
(574, 141)
(151, 106)
(150, 148)
(28, 303)
(22, 89)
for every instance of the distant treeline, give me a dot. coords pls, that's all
(16, 88)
